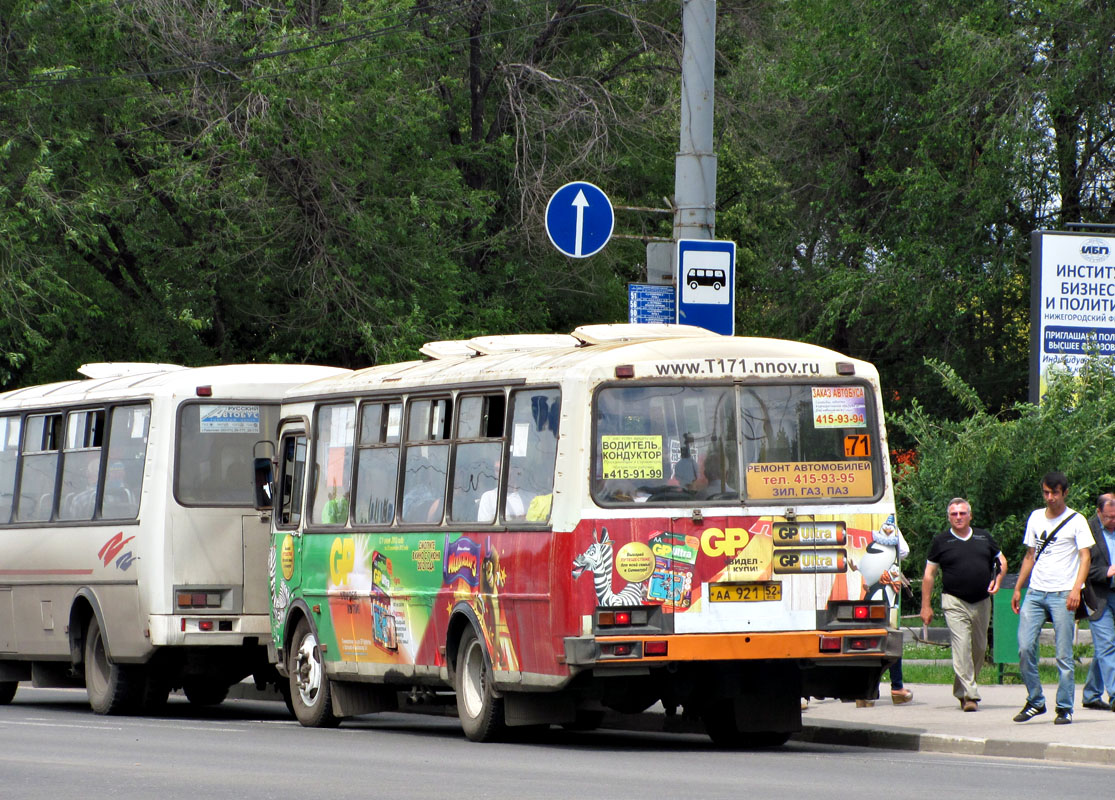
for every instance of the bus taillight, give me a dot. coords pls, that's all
(859, 612)
(635, 617)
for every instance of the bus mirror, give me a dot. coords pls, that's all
(263, 484)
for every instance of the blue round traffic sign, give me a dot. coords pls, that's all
(579, 219)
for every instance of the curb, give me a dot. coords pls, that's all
(892, 739)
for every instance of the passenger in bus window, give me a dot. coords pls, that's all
(80, 505)
(335, 511)
(685, 470)
(516, 508)
(119, 500)
(421, 498)
(516, 500)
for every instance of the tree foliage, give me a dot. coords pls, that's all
(327, 181)
(996, 460)
(340, 180)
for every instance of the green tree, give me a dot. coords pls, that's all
(997, 460)
(908, 150)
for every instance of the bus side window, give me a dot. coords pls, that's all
(81, 465)
(41, 443)
(291, 472)
(334, 439)
(427, 461)
(476, 464)
(127, 449)
(377, 463)
(534, 434)
(9, 452)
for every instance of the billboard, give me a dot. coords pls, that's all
(1072, 301)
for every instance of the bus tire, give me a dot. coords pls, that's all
(7, 691)
(480, 711)
(205, 693)
(309, 686)
(113, 688)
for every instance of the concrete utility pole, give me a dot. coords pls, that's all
(695, 165)
(694, 201)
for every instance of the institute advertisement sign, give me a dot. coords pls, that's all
(1072, 302)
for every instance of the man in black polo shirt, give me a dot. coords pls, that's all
(972, 567)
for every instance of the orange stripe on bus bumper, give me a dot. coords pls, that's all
(749, 646)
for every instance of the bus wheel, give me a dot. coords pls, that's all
(7, 691)
(480, 711)
(205, 693)
(309, 686)
(113, 688)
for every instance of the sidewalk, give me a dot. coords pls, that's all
(933, 722)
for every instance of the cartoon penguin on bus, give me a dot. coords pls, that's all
(878, 567)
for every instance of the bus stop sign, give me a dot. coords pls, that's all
(579, 219)
(706, 282)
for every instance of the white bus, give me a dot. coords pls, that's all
(131, 559)
(554, 526)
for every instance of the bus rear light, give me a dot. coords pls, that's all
(620, 650)
(861, 644)
(625, 371)
(634, 617)
(198, 599)
(858, 612)
(655, 648)
(830, 644)
(204, 391)
(205, 625)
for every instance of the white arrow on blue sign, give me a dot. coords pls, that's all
(579, 219)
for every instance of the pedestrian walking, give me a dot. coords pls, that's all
(1058, 544)
(1101, 582)
(972, 568)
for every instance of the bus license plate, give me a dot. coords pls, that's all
(756, 592)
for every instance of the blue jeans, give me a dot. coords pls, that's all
(1036, 606)
(1102, 673)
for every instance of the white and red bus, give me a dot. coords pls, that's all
(554, 526)
(132, 560)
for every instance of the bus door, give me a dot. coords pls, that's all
(255, 536)
(285, 560)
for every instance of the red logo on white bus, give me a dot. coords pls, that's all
(113, 547)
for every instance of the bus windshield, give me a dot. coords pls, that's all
(701, 444)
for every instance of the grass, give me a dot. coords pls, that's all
(941, 671)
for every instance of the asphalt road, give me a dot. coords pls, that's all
(53, 747)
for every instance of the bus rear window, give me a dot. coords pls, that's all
(754, 443)
(213, 464)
